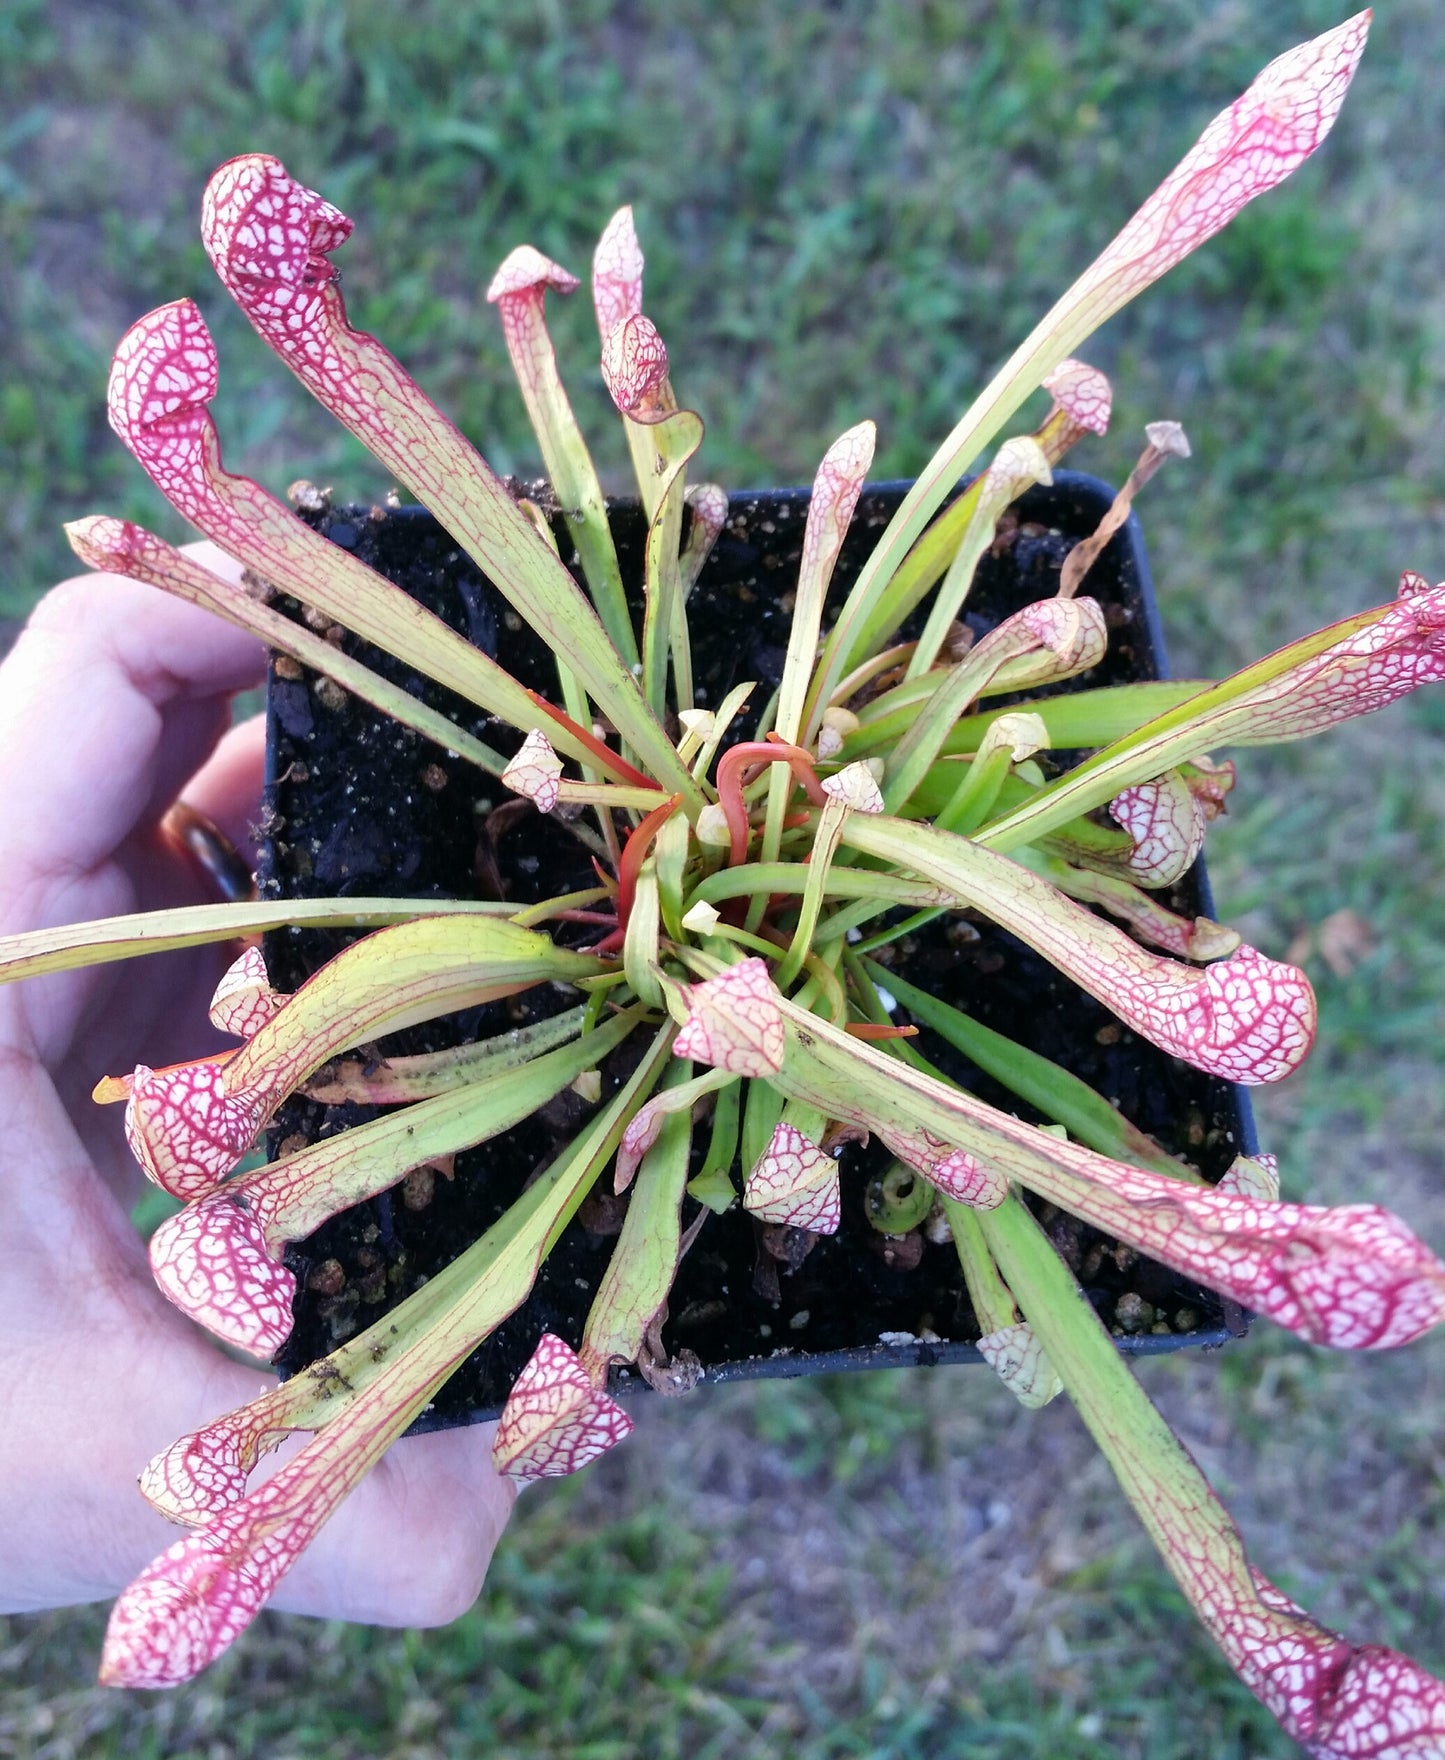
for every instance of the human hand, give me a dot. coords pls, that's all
(115, 700)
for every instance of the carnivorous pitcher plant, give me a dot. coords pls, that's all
(718, 1004)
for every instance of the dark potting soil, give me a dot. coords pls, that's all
(356, 805)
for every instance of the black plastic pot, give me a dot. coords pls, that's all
(358, 805)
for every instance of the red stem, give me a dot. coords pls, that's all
(752, 754)
(606, 757)
(634, 853)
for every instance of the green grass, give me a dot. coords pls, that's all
(848, 211)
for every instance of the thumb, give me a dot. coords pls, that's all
(411, 1545)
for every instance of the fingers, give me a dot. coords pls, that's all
(114, 700)
(113, 696)
(213, 557)
(227, 787)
